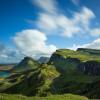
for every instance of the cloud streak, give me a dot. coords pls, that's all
(76, 2)
(62, 25)
(46, 5)
(93, 45)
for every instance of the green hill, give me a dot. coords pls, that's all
(68, 60)
(32, 82)
(80, 71)
(26, 64)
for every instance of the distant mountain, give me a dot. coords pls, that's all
(26, 64)
(43, 59)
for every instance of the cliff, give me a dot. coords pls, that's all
(80, 60)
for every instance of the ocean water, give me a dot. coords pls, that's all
(4, 74)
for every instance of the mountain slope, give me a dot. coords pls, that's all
(79, 71)
(32, 82)
(26, 64)
(68, 60)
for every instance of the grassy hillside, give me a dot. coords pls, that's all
(70, 61)
(79, 71)
(53, 97)
(31, 82)
(82, 56)
(26, 64)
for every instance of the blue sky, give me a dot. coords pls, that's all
(39, 27)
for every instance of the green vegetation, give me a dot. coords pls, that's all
(76, 84)
(49, 73)
(79, 72)
(31, 82)
(53, 97)
(68, 71)
(74, 62)
(82, 56)
(26, 64)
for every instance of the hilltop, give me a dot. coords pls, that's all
(84, 60)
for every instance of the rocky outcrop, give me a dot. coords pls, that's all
(63, 64)
(80, 60)
(90, 67)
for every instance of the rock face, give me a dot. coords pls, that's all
(82, 60)
(90, 67)
(83, 72)
(63, 64)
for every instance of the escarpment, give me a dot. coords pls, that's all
(90, 67)
(81, 60)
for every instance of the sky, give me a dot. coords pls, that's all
(39, 27)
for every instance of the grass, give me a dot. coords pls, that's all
(48, 73)
(38, 80)
(82, 56)
(53, 97)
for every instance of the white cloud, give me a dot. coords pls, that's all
(95, 32)
(47, 22)
(84, 17)
(65, 26)
(59, 23)
(33, 43)
(46, 5)
(76, 2)
(93, 45)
